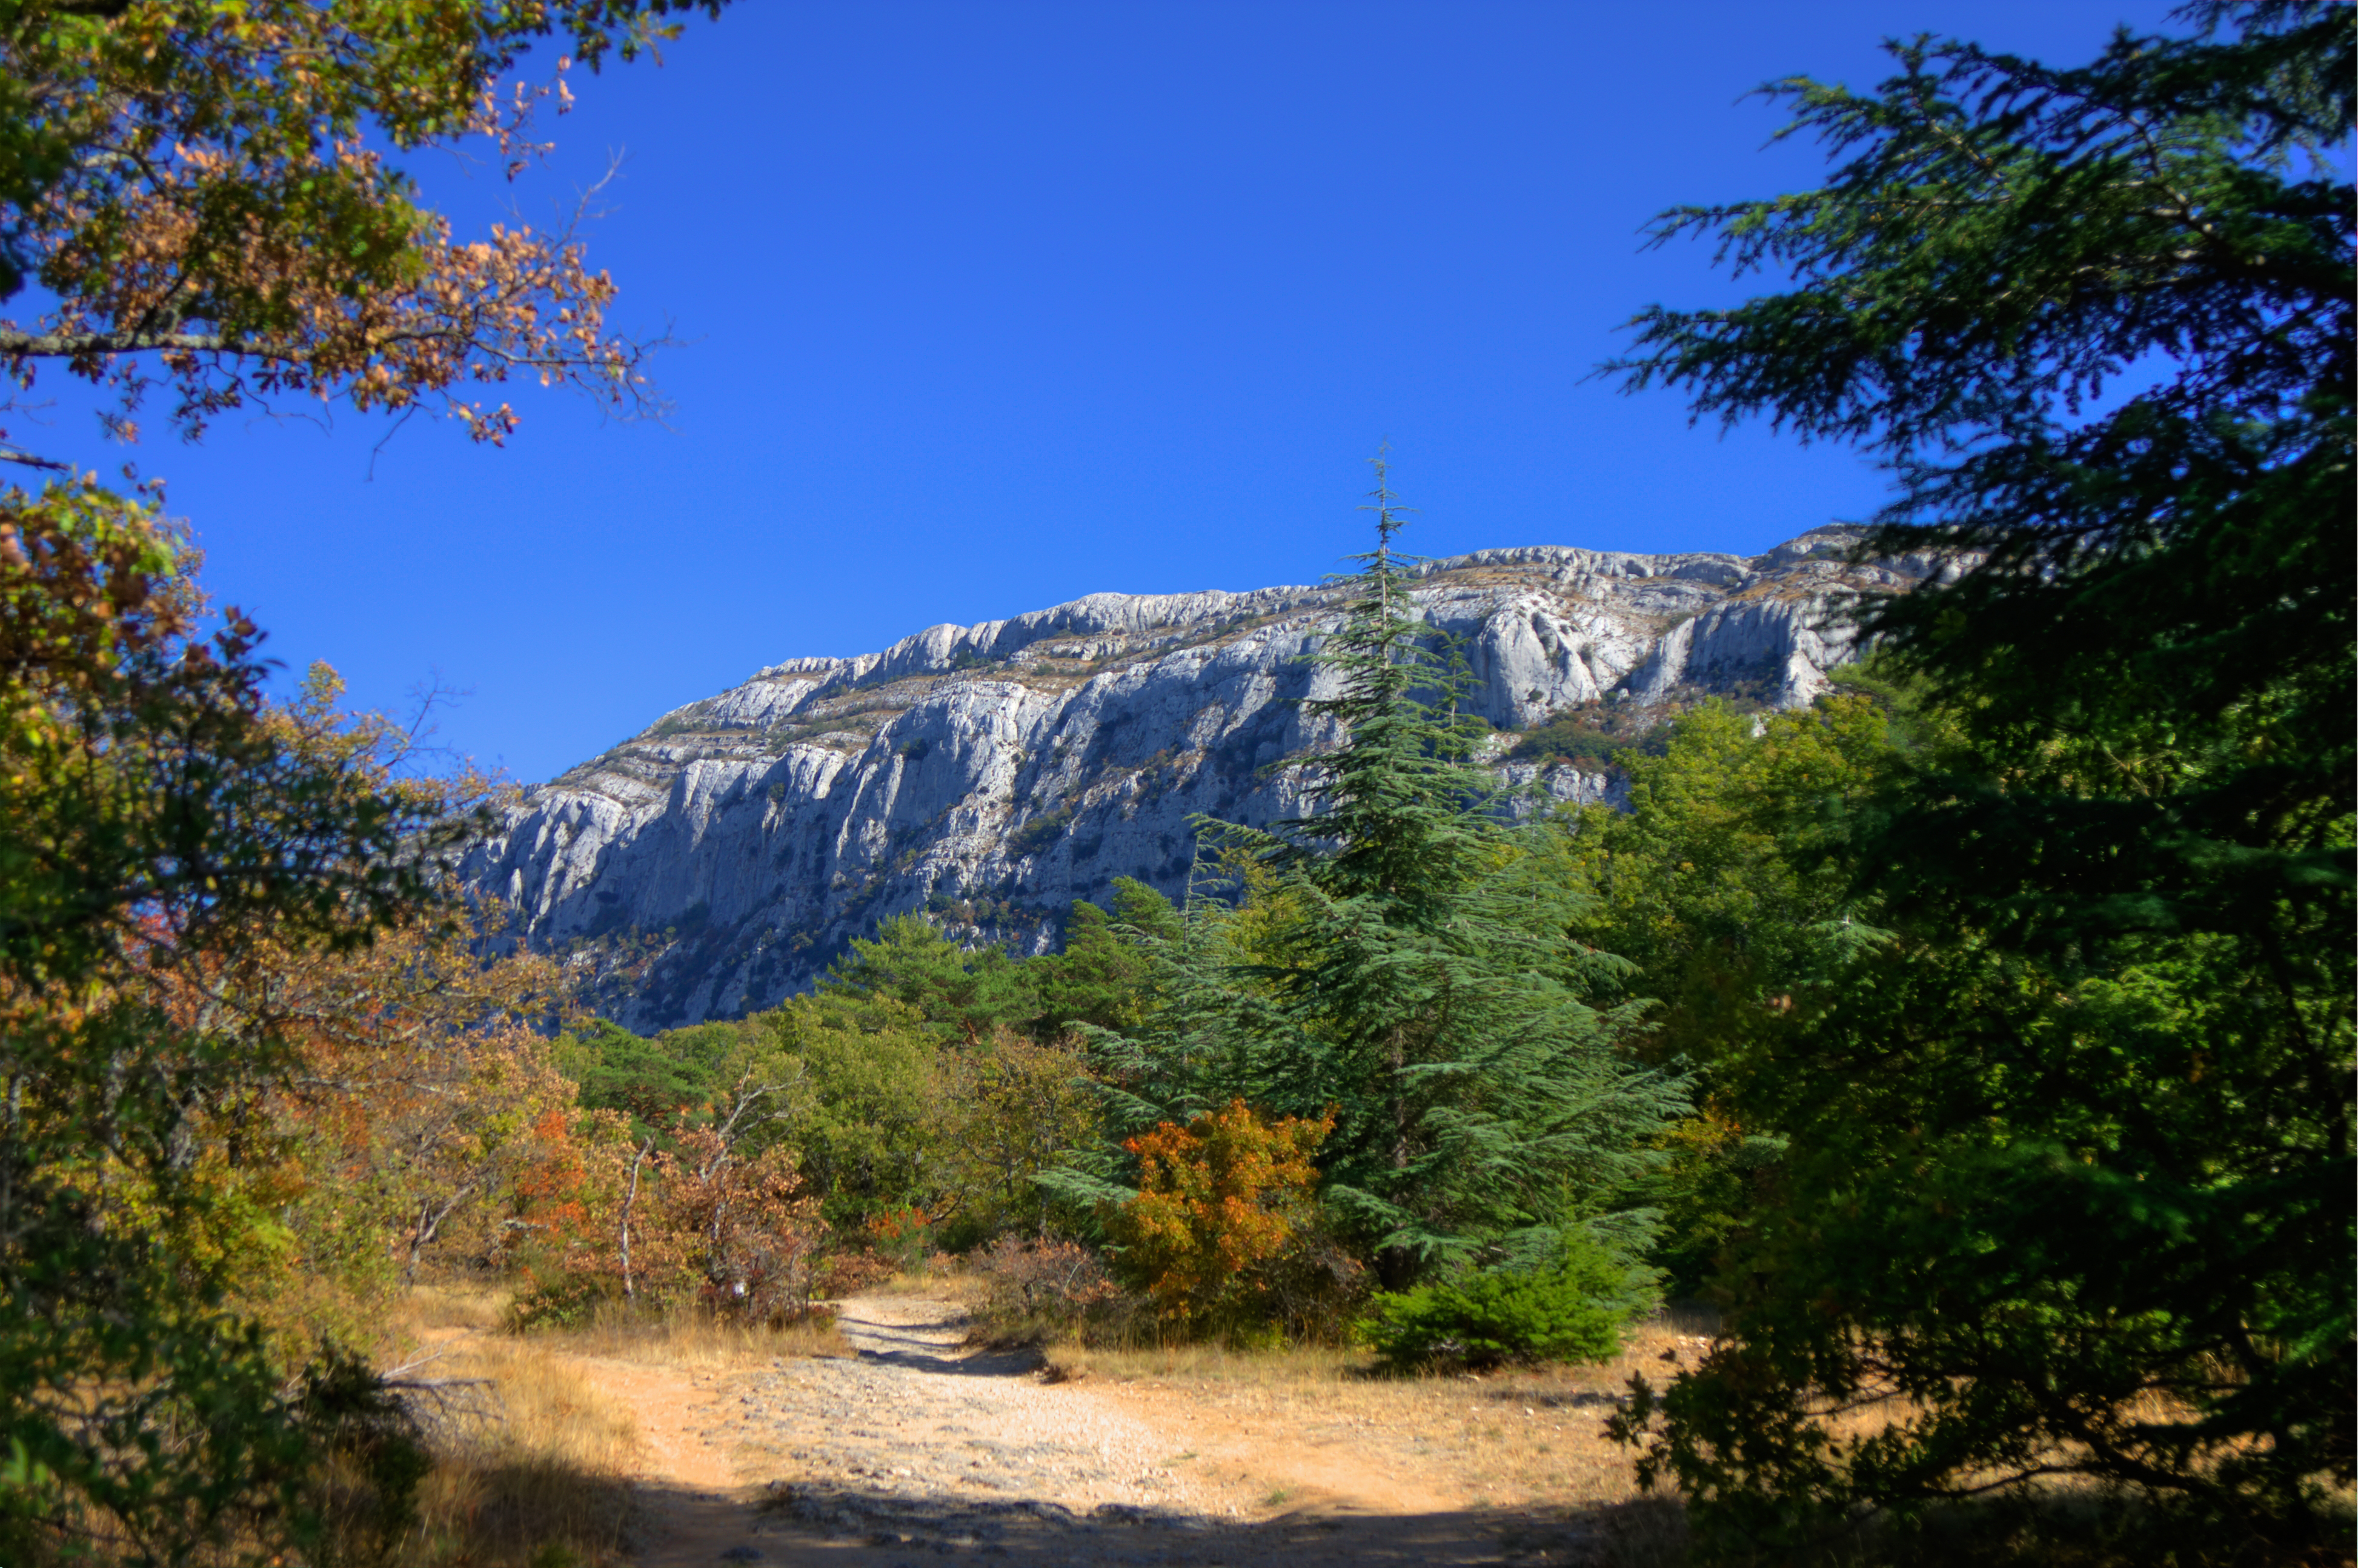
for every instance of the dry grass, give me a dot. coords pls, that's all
(1523, 1438)
(527, 1457)
(680, 1339)
(943, 1280)
(427, 1307)
(1647, 1533)
(531, 1462)
(694, 1341)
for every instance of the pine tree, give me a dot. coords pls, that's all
(2071, 1162)
(1401, 962)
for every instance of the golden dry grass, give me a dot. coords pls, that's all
(425, 1307)
(943, 1280)
(527, 1457)
(531, 1462)
(686, 1338)
(1519, 1438)
(693, 1341)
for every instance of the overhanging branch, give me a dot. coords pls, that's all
(65, 345)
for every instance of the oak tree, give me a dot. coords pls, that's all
(206, 194)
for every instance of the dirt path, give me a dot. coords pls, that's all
(920, 1451)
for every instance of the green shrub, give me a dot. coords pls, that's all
(1575, 1310)
(1581, 736)
(1039, 833)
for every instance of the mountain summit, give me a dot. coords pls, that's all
(991, 775)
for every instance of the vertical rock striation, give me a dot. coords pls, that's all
(991, 775)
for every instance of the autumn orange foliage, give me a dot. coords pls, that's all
(211, 195)
(599, 1217)
(1221, 1201)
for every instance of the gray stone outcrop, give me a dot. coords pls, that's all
(991, 775)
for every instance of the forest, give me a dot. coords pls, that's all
(1978, 1042)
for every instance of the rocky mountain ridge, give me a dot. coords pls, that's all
(990, 774)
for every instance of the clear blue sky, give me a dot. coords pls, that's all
(992, 304)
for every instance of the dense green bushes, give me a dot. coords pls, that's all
(1039, 833)
(1573, 1311)
(2046, 996)
(1591, 737)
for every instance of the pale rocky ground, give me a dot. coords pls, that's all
(921, 1452)
(991, 775)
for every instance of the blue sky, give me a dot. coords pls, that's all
(987, 306)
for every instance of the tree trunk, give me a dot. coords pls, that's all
(629, 1201)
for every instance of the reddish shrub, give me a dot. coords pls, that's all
(1226, 1212)
(1043, 1290)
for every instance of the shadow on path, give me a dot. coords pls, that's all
(800, 1526)
(907, 1345)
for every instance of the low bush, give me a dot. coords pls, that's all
(1039, 833)
(1038, 1292)
(849, 1270)
(892, 1242)
(656, 1230)
(1224, 1235)
(1575, 1310)
(1586, 738)
(553, 1296)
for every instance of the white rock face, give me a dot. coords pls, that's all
(991, 775)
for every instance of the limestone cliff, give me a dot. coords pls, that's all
(993, 773)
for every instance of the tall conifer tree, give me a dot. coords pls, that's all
(2068, 1190)
(1401, 959)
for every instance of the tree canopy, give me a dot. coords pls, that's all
(225, 931)
(1398, 963)
(2067, 1187)
(204, 193)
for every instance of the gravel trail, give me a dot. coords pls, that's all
(918, 1451)
(919, 1437)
